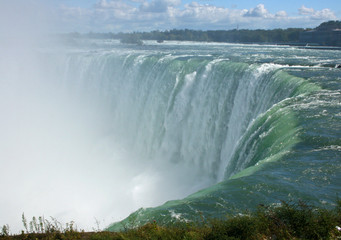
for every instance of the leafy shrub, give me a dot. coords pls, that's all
(288, 221)
(298, 220)
(239, 227)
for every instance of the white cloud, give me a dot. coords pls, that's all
(324, 14)
(195, 11)
(258, 11)
(112, 4)
(146, 15)
(305, 11)
(281, 14)
(158, 5)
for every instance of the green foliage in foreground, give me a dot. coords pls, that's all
(287, 221)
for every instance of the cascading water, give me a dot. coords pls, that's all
(178, 112)
(132, 127)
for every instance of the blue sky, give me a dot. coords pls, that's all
(271, 5)
(146, 15)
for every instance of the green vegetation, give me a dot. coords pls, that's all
(131, 39)
(287, 221)
(329, 26)
(290, 35)
(326, 34)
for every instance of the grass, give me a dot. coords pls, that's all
(290, 220)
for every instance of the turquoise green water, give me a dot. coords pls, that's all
(233, 125)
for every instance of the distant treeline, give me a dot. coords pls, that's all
(278, 36)
(290, 35)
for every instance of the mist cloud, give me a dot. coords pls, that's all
(58, 156)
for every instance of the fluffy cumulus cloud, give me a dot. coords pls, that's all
(146, 15)
(324, 14)
(159, 5)
(113, 4)
(305, 11)
(195, 12)
(281, 14)
(258, 11)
